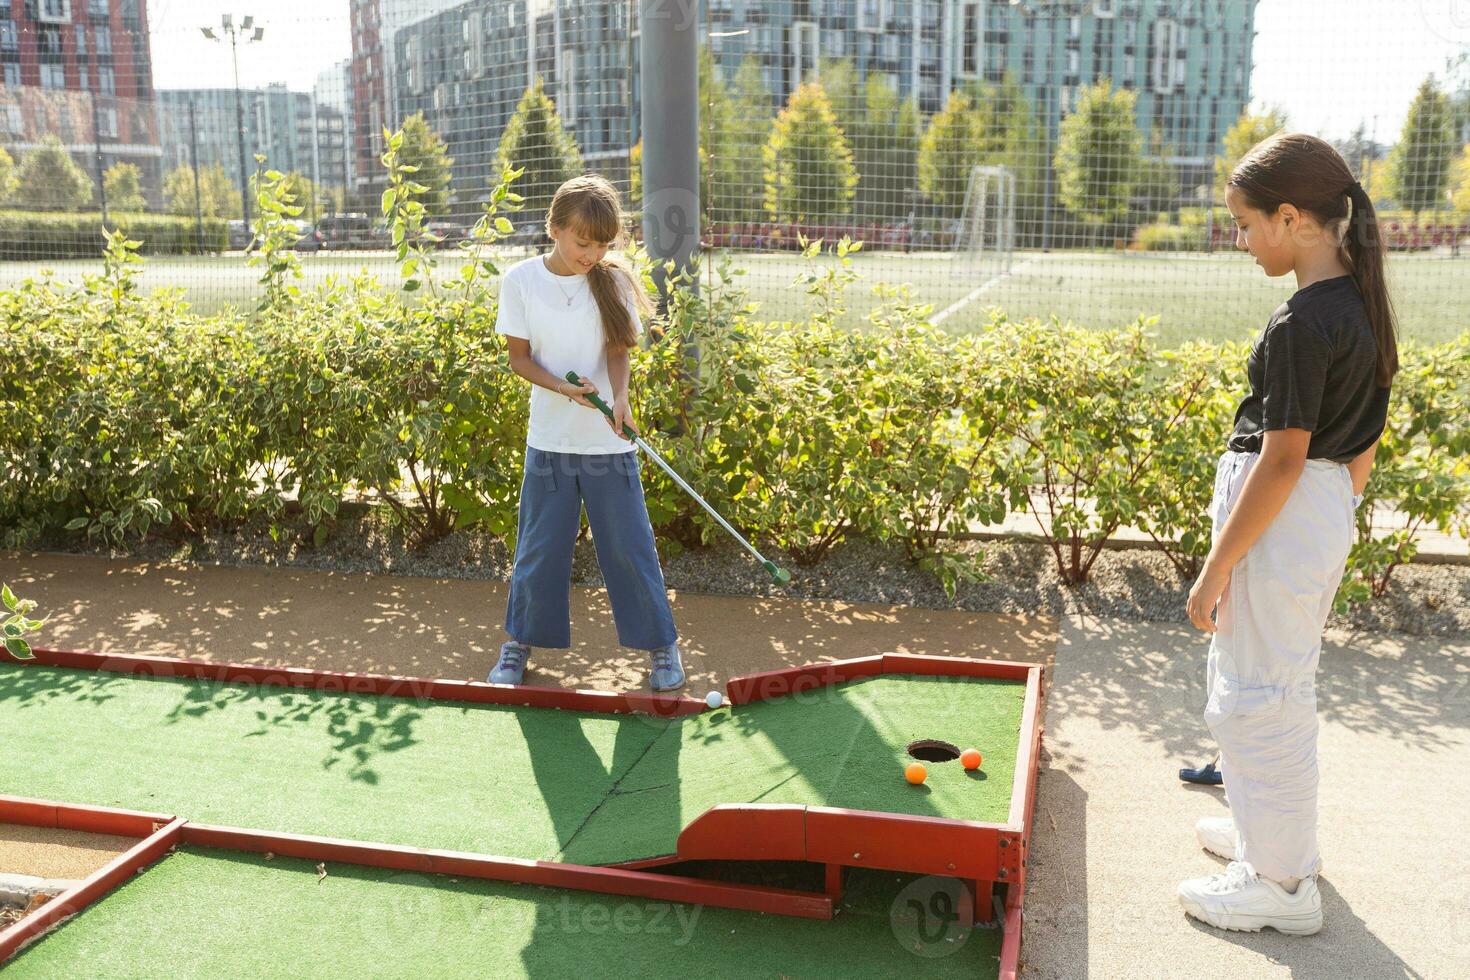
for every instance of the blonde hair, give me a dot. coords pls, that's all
(589, 205)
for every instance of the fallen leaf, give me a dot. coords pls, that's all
(270, 855)
(321, 871)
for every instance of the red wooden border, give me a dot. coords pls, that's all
(795, 680)
(765, 832)
(72, 901)
(1010, 942)
(986, 852)
(611, 881)
(75, 816)
(388, 685)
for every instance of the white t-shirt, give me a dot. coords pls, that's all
(564, 337)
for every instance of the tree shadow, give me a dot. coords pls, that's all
(1150, 677)
(359, 727)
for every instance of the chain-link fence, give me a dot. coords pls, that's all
(1048, 158)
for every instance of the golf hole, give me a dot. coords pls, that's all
(933, 750)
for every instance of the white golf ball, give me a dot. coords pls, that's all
(714, 699)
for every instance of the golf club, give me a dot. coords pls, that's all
(779, 575)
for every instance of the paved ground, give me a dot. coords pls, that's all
(1112, 832)
(1113, 827)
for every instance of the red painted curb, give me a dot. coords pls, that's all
(155, 841)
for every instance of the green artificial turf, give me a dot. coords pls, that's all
(840, 746)
(518, 782)
(211, 913)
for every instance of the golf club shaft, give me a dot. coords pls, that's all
(638, 441)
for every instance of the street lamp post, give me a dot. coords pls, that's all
(248, 32)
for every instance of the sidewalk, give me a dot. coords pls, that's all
(1435, 547)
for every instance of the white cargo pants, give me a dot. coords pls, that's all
(1262, 667)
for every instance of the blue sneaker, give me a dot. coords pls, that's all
(1209, 775)
(668, 669)
(511, 669)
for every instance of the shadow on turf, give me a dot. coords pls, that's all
(360, 727)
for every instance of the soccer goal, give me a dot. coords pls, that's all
(987, 231)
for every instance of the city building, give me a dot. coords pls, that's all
(1188, 61)
(333, 121)
(81, 69)
(289, 128)
(375, 77)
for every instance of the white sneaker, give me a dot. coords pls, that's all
(1217, 835)
(1240, 901)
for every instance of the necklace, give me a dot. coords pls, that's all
(555, 278)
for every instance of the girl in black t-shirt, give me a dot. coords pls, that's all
(1285, 493)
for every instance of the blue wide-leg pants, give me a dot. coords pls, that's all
(555, 488)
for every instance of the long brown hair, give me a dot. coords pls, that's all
(589, 205)
(1302, 170)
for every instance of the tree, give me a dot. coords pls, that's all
(807, 163)
(1242, 137)
(536, 139)
(719, 145)
(1418, 170)
(1011, 137)
(949, 149)
(753, 115)
(1157, 188)
(218, 197)
(1358, 150)
(423, 148)
(7, 176)
(49, 180)
(845, 93)
(1099, 154)
(884, 133)
(123, 183)
(1460, 199)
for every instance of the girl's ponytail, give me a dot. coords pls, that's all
(1363, 254)
(614, 283)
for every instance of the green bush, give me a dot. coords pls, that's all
(36, 235)
(122, 414)
(1170, 238)
(1422, 467)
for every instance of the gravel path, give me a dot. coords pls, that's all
(1135, 584)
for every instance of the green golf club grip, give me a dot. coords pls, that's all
(597, 400)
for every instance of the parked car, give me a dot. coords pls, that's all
(351, 230)
(238, 234)
(310, 240)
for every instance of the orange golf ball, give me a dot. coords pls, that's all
(915, 773)
(971, 758)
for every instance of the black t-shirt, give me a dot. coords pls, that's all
(1315, 367)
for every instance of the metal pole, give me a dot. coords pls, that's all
(669, 109)
(1049, 167)
(97, 143)
(194, 164)
(240, 124)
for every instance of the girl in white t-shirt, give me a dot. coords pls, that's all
(578, 309)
